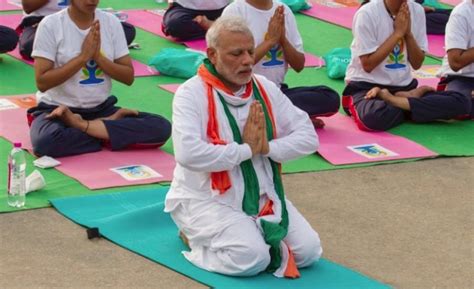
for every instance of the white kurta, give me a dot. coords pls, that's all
(222, 237)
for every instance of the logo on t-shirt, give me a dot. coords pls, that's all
(275, 56)
(91, 73)
(396, 57)
(63, 3)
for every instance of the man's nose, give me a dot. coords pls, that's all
(248, 59)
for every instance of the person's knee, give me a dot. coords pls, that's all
(130, 32)
(26, 44)
(161, 127)
(183, 27)
(334, 101)
(308, 251)
(9, 39)
(379, 122)
(45, 145)
(248, 260)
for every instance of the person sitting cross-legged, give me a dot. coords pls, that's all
(389, 40)
(78, 51)
(458, 64)
(279, 45)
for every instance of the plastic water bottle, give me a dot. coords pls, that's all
(16, 177)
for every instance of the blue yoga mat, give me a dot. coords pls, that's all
(136, 221)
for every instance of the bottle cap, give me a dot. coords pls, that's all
(17, 144)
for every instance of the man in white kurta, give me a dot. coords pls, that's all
(222, 237)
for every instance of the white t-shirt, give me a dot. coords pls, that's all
(371, 26)
(459, 35)
(203, 4)
(51, 7)
(59, 39)
(273, 65)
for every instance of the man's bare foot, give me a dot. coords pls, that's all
(397, 101)
(69, 118)
(203, 21)
(415, 93)
(317, 122)
(121, 113)
(184, 238)
(373, 93)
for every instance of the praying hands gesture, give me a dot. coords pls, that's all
(276, 27)
(402, 21)
(91, 45)
(255, 133)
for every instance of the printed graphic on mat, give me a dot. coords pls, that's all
(372, 151)
(426, 71)
(136, 172)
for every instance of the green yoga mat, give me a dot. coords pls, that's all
(136, 221)
(58, 184)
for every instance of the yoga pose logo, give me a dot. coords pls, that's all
(92, 72)
(372, 151)
(63, 3)
(396, 57)
(275, 54)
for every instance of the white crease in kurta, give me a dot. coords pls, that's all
(213, 221)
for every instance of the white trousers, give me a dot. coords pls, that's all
(227, 241)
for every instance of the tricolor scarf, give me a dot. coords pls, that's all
(274, 233)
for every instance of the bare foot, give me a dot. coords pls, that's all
(184, 238)
(121, 113)
(317, 122)
(71, 119)
(415, 93)
(397, 101)
(373, 93)
(203, 21)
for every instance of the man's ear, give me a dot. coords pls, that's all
(212, 55)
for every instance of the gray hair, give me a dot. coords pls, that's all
(225, 24)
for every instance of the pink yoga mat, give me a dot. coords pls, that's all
(11, 20)
(141, 69)
(170, 87)
(341, 132)
(93, 170)
(148, 21)
(14, 125)
(426, 75)
(436, 45)
(6, 6)
(341, 16)
(451, 2)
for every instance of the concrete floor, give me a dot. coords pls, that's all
(409, 225)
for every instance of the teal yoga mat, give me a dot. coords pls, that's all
(136, 221)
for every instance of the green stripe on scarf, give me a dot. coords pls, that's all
(273, 232)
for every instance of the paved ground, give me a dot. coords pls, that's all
(409, 225)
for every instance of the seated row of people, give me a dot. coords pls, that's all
(381, 92)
